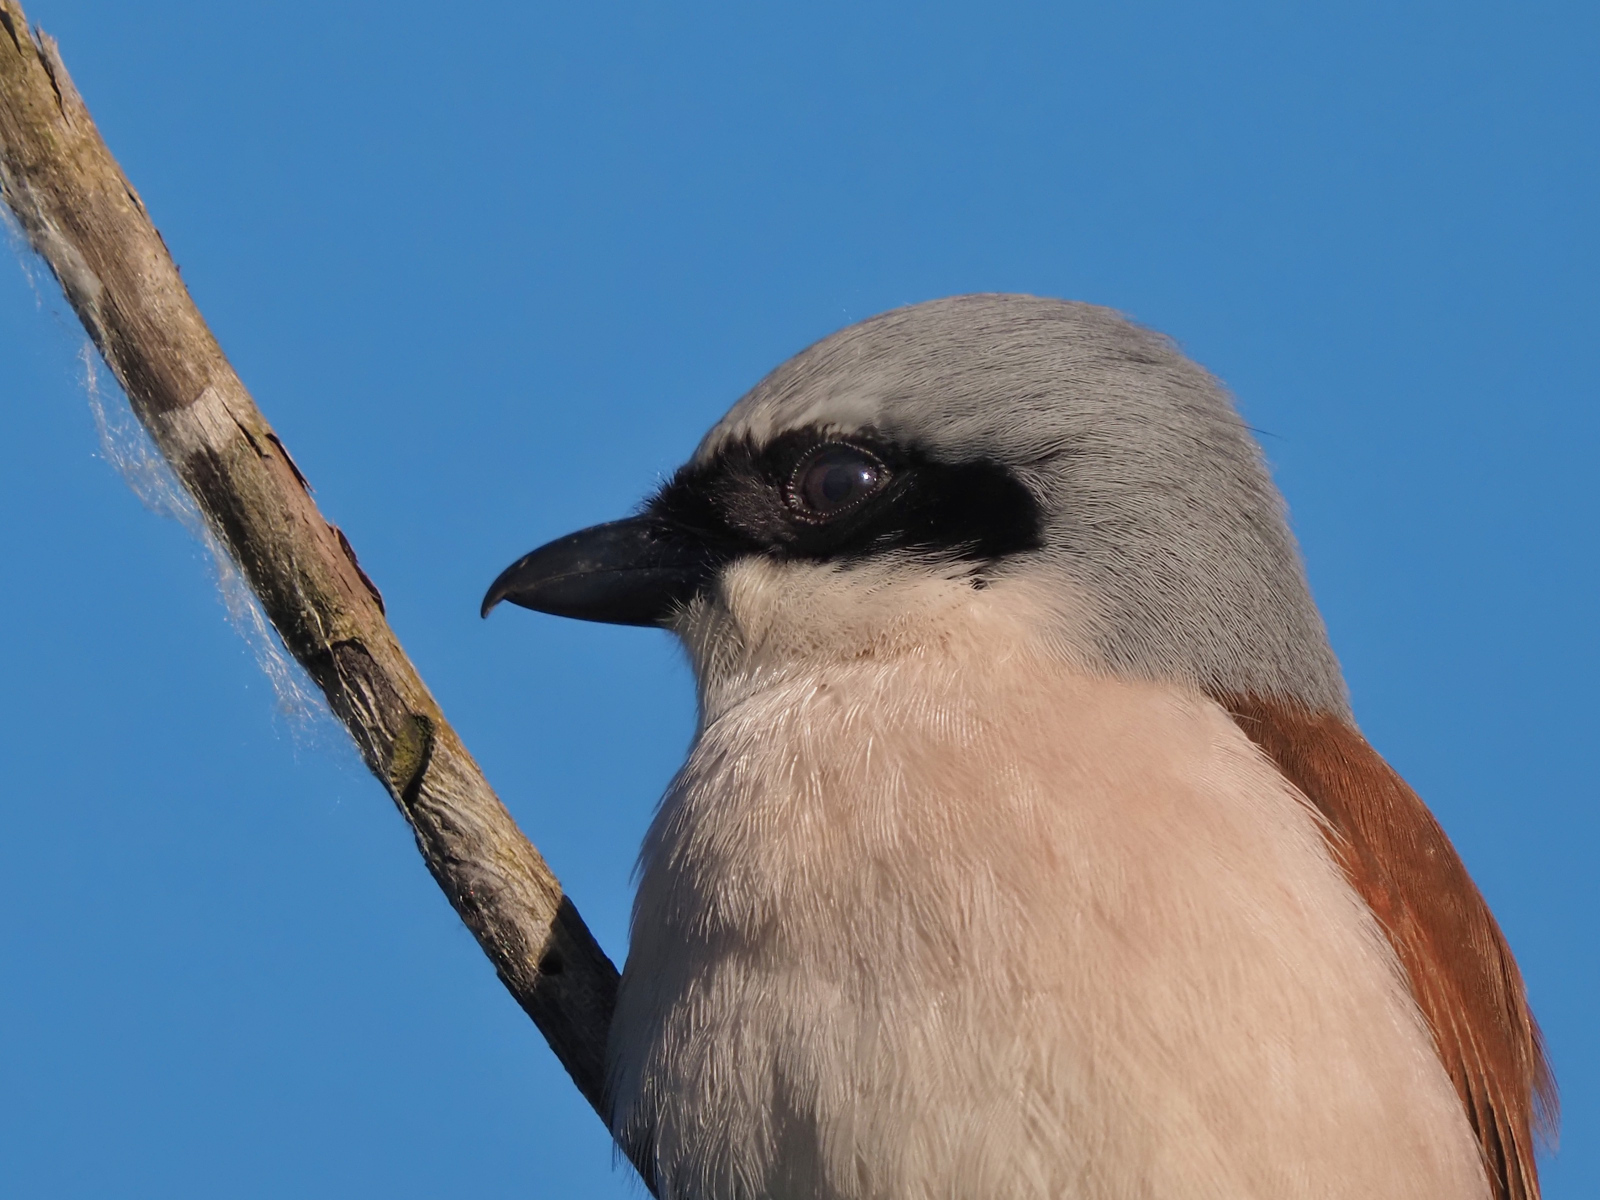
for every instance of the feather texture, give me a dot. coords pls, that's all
(1460, 969)
(933, 912)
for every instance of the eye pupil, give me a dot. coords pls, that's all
(835, 479)
(838, 483)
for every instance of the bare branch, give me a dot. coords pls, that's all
(83, 217)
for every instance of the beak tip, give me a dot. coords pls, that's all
(496, 593)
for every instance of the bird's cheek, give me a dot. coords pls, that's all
(710, 635)
(756, 615)
(752, 591)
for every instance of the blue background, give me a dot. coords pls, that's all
(491, 269)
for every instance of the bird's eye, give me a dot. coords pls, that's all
(834, 479)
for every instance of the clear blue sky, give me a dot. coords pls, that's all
(491, 269)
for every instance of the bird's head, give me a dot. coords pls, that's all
(984, 474)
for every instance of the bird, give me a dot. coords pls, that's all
(1027, 846)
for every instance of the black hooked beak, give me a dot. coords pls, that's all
(634, 572)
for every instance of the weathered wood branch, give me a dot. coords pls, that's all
(83, 217)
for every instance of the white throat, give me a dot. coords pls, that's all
(770, 621)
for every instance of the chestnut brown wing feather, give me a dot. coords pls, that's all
(1460, 968)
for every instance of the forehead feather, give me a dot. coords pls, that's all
(1010, 377)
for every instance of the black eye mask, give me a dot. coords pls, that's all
(805, 495)
(775, 501)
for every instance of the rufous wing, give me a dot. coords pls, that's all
(1461, 970)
